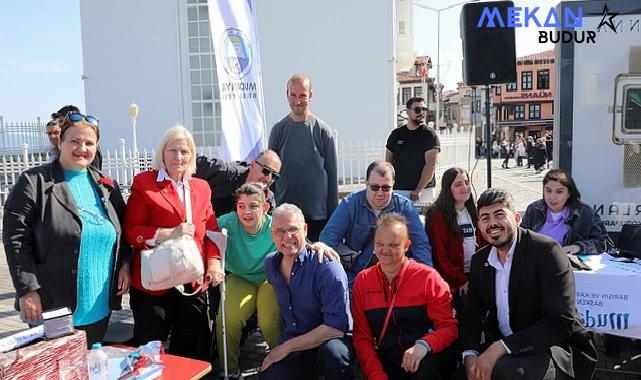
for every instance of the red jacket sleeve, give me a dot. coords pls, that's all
(439, 310)
(211, 249)
(440, 240)
(363, 337)
(137, 228)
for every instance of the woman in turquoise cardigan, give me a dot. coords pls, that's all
(63, 237)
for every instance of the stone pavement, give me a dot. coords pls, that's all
(524, 184)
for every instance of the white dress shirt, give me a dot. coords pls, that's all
(502, 290)
(183, 190)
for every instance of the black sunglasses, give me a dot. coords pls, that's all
(385, 188)
(75, 117)
(419, 109)
(268, 171)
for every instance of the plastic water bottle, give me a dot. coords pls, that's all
(98, 363)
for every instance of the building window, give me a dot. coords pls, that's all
(497, 89)
(510, 87)
(519, 111)
(418, 91)
(401, 28)
(543, 79)
(478, 106)
(406, 94)
(535, 111)
(205, 97)
(526, 80)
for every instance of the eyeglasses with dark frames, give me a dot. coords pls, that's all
(268, 171)
(385, 188)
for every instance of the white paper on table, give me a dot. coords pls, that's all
(22, 338)
(219, 238)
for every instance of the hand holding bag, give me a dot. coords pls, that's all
(173, 262)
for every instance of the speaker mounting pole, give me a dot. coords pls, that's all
(488, 137)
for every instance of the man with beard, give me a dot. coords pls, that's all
(522, 297)
(413, 150)
(225, 178)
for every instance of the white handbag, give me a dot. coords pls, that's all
(173, 262)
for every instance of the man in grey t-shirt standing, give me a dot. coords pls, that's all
(307, 149)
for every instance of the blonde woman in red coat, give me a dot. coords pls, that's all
(155, 213)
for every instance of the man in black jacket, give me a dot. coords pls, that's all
(225, 178)
(522, 296)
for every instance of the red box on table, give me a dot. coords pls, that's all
(60, 358)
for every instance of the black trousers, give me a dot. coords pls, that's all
(314, 229)
(182, 318)
(527, 367)
(95, 331)
(433, 367)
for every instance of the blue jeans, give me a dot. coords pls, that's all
(332, 360)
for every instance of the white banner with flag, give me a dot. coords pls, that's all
(235, 41)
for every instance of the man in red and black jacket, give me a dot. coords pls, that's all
(420, 325)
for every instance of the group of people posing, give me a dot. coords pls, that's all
(328, 282)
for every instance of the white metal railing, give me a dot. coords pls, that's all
(457, 149)
(13, 135)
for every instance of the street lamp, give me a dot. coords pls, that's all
(133, 114)
(438, 51)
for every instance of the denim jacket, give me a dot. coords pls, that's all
(353, 219)
(586, 228)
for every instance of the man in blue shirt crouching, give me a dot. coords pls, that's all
(314, 306)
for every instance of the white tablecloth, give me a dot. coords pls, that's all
(608, 297)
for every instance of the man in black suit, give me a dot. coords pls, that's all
(522, 296)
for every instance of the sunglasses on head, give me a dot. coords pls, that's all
(385, 188)
(419, 109)
(75, 117)
(268, 171)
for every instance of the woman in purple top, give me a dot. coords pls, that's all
(562, 216)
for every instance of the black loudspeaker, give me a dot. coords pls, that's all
(489, 54)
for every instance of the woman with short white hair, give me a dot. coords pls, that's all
(156, 212)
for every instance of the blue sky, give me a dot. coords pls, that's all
(40, 58)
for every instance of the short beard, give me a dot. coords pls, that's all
(418, 122)
(502, 244)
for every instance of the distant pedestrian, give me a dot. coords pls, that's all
(548, 148)
(538, 156)
(520, 151)
(505, 153)
(529, 149)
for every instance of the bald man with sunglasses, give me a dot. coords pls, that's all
(354, 220)
(225, 178)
